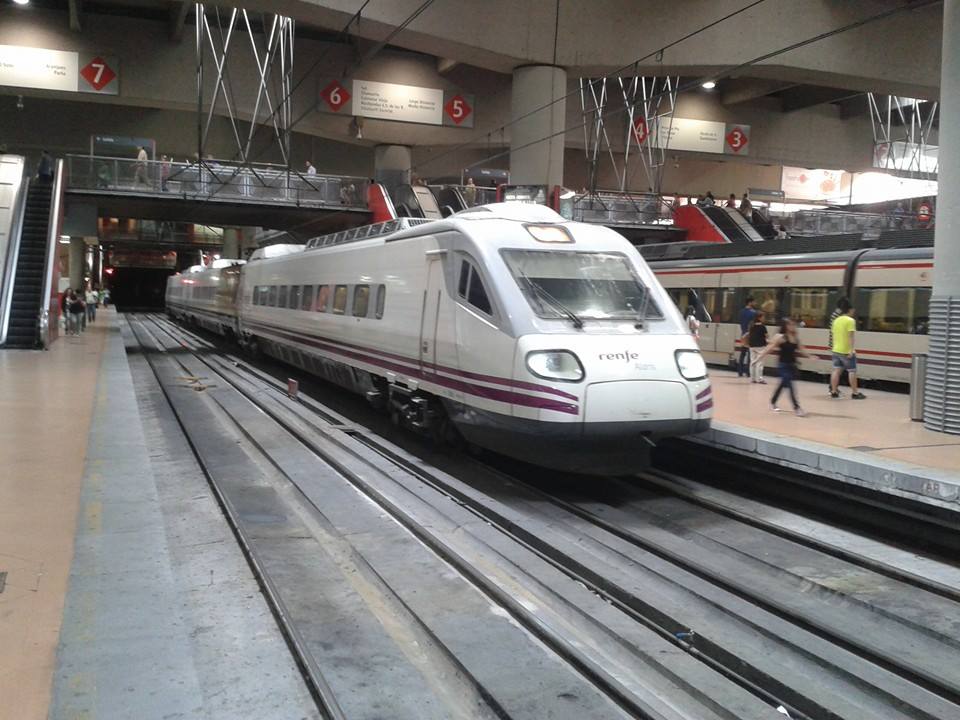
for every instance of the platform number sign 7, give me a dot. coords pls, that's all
(97, 73)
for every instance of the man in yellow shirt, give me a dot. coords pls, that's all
(844, 353)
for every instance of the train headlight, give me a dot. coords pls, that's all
(691, 365)
(555, 365)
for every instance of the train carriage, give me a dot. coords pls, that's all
(207, 296)
(889, 288)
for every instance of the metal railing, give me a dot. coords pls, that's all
(610, 208)
(472, 195)
(49, 293)
(215, 180)
(837, 222)
(9, 274)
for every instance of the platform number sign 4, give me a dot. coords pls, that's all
(640, 130)
(97, 73)
(335, 96)
(737, 138)
(457, 109)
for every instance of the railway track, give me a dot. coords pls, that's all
(408, 592)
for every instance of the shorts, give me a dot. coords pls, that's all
(845, 362)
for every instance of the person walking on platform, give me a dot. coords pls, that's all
(732, 201)
(311, 170)
(76, 313)
(747, 314)
(843, 345)
(140, 169)
(470, 193)
(709, 200)
(787, 343)
(65, 309)
(92, 299)
(756, 339)
(746, 207)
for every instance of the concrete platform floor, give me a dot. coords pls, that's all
(879, 426)
(46, 404)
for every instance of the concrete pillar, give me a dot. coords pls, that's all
(231, 243)
(942, 392)
(391, 165)
(78, 258)
(536, 136)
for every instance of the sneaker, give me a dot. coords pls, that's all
(775, 408)
(834, 394)
(762, 382)
(800, 412)
(858, 396)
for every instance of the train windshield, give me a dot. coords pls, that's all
(585, 285)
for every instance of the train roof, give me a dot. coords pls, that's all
(801, 258)
(893, 239)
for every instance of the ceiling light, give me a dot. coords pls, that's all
(709, 85)
(21, 2)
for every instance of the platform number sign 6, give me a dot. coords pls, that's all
(335, 96)
(737, 138)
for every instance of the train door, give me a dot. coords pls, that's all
(430, 317)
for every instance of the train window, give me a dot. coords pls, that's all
(272, 296)
(767, 301)
(894, 310)
(477, 295)
(323, 298)
(282, 296)
(294, 299)
(255, 299)
(811, 307)
(681, 298)
(464, 278)
(721, 304)
(339, 299)
(306, 297)
(263, 293)
(361, 300)
(381, 300)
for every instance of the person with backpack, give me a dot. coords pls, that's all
(76, 307)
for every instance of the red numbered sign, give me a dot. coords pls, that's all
(640, 130)
(97, 73)
(457, 109)
(737, 139)
(335, 96)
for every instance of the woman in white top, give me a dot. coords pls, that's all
(93, 299)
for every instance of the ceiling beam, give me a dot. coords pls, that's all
(806, 96)
(178, 18)
(445, 65)
(742, 90)
(76, 15)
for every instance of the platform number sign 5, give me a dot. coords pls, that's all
(457, 109)
(335, 96)
(737, 138)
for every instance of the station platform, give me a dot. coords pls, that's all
(125, 594)
(872, 442)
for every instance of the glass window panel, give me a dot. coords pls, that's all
(323, 298)
(381, 300)
(361, 300)
(272, 296)
(306, 298)
(721, 304)
(478, 295)
(294, 299)
(339, 299)
(767, 301)
(464, 277)
(282, 296)
(895, 310)
(811, 307)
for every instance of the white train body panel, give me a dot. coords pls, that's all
(207, 295)
(889, 289)
(455, 325)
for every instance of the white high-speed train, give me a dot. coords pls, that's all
(546, 340)
(889, 288)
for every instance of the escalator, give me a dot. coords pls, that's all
(416, 201)
(31, 262)
(732, 224)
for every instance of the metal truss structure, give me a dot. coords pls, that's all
(902, 129)
(220, 36)
(646, 115)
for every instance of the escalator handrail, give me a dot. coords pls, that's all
(13, 253)
(54, 221)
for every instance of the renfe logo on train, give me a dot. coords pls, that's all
(625, 356)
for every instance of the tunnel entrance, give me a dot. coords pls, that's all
(138, 288)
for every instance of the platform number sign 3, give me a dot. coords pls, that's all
(457, 109)
(97, 73)
(335, 95)
(737, 138)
